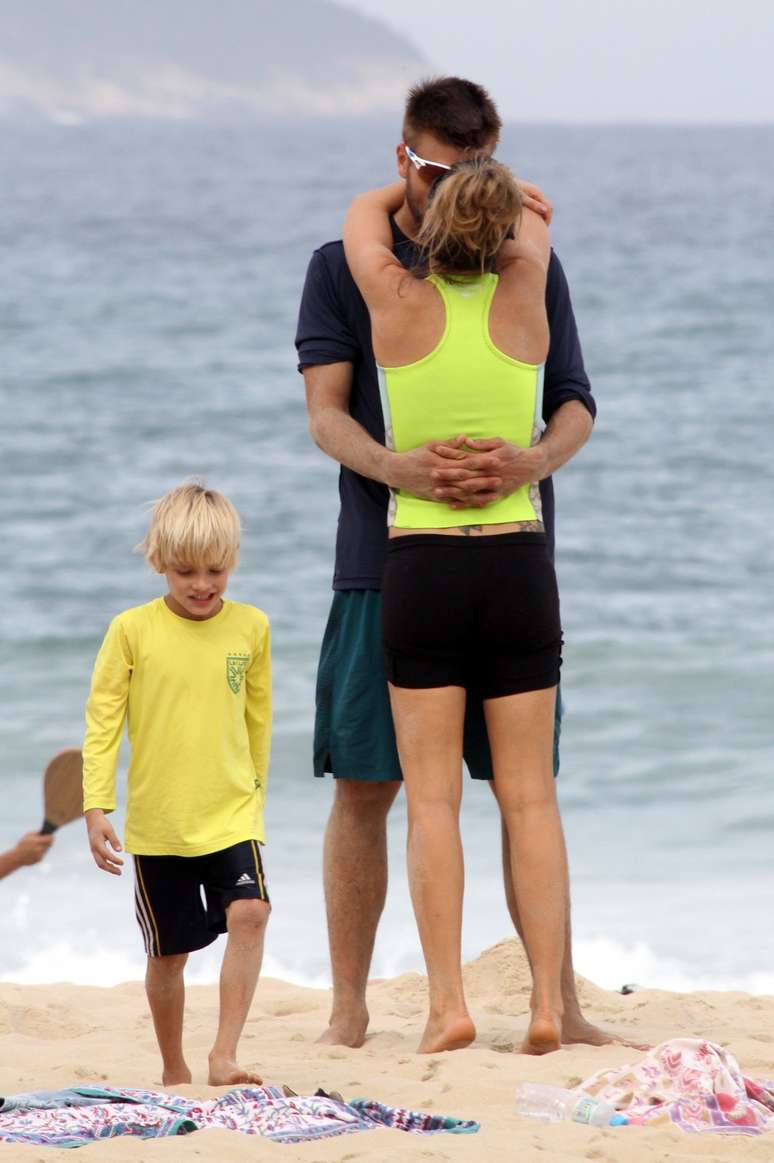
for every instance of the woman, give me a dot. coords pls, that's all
(469, 595)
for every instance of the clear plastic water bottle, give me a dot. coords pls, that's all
(554, 1104)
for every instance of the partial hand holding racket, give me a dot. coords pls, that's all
(62, 790)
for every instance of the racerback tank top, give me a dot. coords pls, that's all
(467, 385)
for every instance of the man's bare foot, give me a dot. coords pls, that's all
(543, 1035)
(577, 1030)
(175, 1075)
(226, 1072)
(346, 1030)
(446, 1034)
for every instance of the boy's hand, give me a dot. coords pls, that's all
(103, 841)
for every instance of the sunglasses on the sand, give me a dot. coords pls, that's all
(427, 170)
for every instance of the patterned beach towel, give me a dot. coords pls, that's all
(81, 1115)
(691, 1084)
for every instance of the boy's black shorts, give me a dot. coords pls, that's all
(168, 895)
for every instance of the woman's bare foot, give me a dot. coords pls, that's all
(544, 1033)
(226, 1072)
(346, 1029)
(576, 1030)
(175, 1075)
(446, 1034)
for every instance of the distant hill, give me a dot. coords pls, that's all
(189, 59)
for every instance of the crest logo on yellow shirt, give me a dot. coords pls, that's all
(236, 665)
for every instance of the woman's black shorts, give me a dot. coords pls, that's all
(479, 612)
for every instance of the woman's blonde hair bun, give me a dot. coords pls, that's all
(470, 213)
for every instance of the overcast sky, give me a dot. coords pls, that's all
(601, 60)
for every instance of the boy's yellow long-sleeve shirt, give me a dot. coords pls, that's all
(197, 697)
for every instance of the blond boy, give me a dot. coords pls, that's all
(192, 673)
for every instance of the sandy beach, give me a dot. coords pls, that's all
(54, 1036)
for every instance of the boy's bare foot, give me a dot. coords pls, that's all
(446, 1034)
(576, 1030)
(544, 1033)
(226, 1072)
(348, 1029)
(175, 1075)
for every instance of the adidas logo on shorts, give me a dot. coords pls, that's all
(245, 878)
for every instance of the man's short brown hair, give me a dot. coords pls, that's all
(456, 111)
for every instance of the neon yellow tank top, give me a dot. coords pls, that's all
(467, 385)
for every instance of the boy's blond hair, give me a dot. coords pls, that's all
(192, 525)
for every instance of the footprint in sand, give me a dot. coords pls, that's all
(286, 1009)
(431, 1069)
(54, 1022)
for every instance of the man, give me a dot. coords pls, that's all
(446, 119)
(29, 850)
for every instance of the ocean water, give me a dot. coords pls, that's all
(151, 275)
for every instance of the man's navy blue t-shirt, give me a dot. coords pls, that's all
(334, 327)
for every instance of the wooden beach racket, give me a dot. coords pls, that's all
(62, 790)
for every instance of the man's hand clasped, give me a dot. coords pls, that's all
(466, 473)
